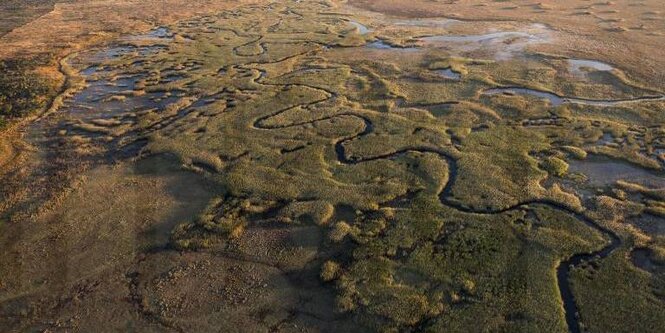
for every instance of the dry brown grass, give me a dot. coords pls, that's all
(18, 12)
(75, 25)
(595, 35)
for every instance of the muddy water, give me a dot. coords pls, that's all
(106, 96)
(362, 29)
(109, 97)
(556, 100)
(580, 67)
(503, 44)
(552, 98)
(643, 259)
(107, 93)
(449, 74)
(162, 33)
(382, 45)
(603, 171)
(649, 224)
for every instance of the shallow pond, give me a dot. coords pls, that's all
(603, 171)
(157, 33)
(643, 259)
(552, 98)
(449, 74)
(109, 92)
(579, 67)
(503, 44)
(649, 224)
(382, 45)
(362, 29)
(486, 38)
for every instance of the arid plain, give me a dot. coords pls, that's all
(331, 166)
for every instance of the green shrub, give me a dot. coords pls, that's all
(330, 271)
(555, 166)
(339, 231)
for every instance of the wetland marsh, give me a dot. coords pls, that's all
(326, 166)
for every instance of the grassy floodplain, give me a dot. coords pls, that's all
(305, 165)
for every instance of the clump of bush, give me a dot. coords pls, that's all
(575, 152)
(224, 219)
(21, 89)
(555, 166)
(339, 231)
(330, 271)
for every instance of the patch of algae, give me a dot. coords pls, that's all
(447, 201)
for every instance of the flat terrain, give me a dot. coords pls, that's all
(325, 166)
(16, 13)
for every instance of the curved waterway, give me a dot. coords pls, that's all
(557, 100)
(563, 269)
(91, 97)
